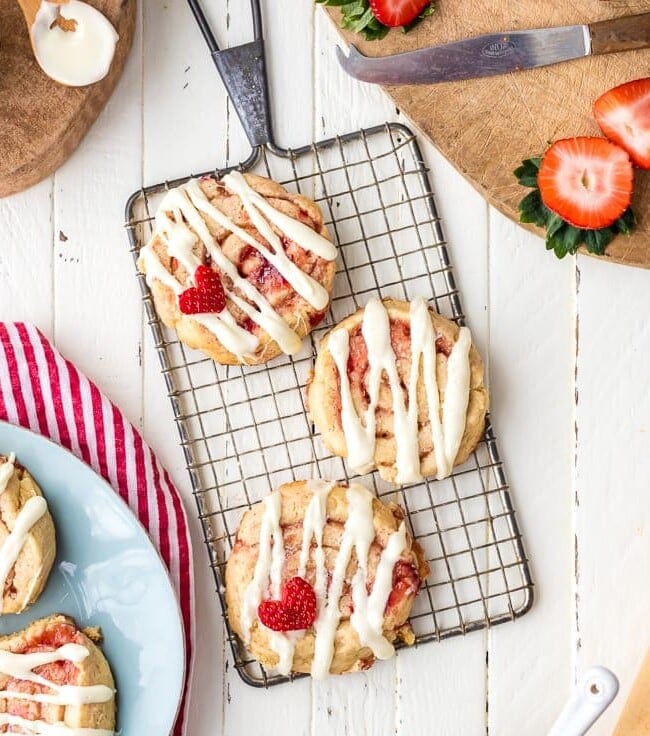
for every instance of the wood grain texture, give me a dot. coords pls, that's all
(41, 121)
(635, 718)
(620, 34)
(486, 127)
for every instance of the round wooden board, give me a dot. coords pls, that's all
(41, 121)
(486, 127)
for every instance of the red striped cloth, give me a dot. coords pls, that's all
(42, 391)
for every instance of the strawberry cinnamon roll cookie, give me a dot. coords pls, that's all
(399, 388)
(27, 541)
(241, 268)
(321, 579)
(55, 680)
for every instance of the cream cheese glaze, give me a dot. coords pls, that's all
(21, 666)
(6, 471)
(181, 223)
(447, 434)
(73, 57)
(358, 536)
(29, 514)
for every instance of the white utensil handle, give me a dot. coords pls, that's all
(593, 693)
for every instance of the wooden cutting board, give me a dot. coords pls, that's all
(41, 121)
(635, 718)
(486, 127)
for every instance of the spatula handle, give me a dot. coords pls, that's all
(620, 34)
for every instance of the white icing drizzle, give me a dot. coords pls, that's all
(295, 230)
(284, 644)
(358, 536)
(6, 471)
(454, 409)
(21, 666)
(308, 288)
(29, 514)
(269, 531)
(180, 242)
(41, 728)
(368, 615)
(180, 222)
(266, 317)
(155, 271)
(447, 435)
(312, 528)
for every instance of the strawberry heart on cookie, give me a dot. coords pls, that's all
(206, 296)
(296, 610)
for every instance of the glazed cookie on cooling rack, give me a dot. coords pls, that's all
(54, 679)
(399, 388)
(27, 540)
(239, 267)
(321, 579)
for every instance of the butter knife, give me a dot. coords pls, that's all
(499, 53)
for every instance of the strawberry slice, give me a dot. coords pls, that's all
(395, 13)
(296, 610)
(623, 114)
(206, 296)
(586, 181)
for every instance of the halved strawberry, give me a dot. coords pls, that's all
(586, 181)
(623, 114)
(296, 610)
(395, 13)
(207, 296)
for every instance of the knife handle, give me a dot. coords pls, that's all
(620, 34)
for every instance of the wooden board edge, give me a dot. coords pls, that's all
(34, 171)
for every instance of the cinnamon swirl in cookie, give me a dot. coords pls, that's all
(321, 579)
(240, 267)
(55, 680)
(399, 388)
(27, 541)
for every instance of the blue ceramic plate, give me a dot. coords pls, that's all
(107, 573)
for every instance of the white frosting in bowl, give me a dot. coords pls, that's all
(73, 57)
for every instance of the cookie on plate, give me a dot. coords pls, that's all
(27, 539)
(241, 268)
(321, 579)
(54, 673)
(380, 407)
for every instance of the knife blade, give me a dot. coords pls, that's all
(499, 53)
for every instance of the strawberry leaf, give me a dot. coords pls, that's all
(357, 16)
(532, 209)
(527, 172)
(562, 238)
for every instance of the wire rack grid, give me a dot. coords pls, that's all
(245, 430)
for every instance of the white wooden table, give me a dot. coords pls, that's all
(568, 345)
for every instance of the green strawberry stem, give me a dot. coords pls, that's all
(358, 18)
(561, 237)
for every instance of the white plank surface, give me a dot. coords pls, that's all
(613, 474)
(532, 355)
(567, 360)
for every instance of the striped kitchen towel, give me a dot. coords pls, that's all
(44, 392)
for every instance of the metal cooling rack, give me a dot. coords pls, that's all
(244, 430)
